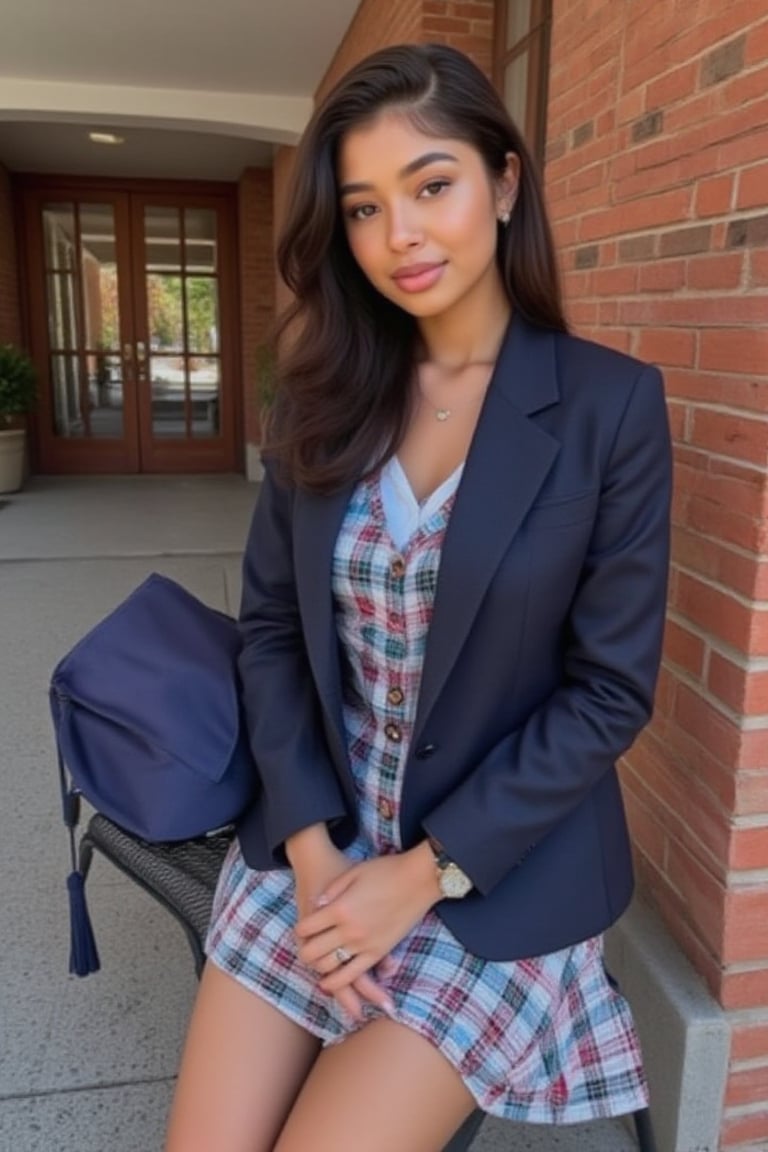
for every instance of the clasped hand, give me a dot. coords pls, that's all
(365, 911)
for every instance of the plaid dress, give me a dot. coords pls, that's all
(545, 1040)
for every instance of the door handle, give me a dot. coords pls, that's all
(127, 362)
(141, 359)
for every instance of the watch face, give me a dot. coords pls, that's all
(454, 883)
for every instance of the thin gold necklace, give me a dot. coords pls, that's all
(442, 413)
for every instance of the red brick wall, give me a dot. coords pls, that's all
(658, 185)
(257, 283)
(466, 26)
(10, 320)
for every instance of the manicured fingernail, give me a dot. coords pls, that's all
(388, 1007)
(321, 901)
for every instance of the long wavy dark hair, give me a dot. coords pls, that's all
(346, 353)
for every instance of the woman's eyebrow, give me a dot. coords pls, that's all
(409, 169)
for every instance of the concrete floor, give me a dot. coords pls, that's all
(88, 1065)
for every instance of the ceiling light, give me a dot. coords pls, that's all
(105, 138)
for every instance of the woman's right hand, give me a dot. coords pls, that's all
(316, 862)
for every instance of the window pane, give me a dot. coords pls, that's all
(202, 314)
(169, 397)
(166, 315)
(99, 273)
(62, 317)
(516, 89)
(162, 239)
(204, 393)
(65, 382)
(200, 240)
(105, 394)
(518, 20)
(59, 236)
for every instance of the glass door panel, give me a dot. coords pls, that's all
(83, 320)
(67, 390)
(203, 344)
(200, 243)
(101, 320)
(181, 273)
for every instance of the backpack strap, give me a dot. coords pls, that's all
(83, 954)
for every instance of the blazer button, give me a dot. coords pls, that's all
(393, 733)
(425, 751)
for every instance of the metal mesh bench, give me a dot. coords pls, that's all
(182, 877)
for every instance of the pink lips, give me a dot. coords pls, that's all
(418, 277)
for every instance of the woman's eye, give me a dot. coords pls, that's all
(361, 212)
(434, 188)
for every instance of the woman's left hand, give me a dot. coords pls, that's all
(367, 911)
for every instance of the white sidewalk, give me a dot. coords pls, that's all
(88, 1065)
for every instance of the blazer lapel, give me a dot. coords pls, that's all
(317, 520)
(508, 461)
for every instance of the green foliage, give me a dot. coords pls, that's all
(201, 314)
(18, 380)
(167, 295)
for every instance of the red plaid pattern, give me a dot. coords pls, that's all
(545, 1040)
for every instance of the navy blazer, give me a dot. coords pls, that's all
(541, 658)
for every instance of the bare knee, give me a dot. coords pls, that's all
(242, 1067)
(384, 1087)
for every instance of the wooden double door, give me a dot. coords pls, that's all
(131, 306)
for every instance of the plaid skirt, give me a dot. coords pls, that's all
(545, 1040)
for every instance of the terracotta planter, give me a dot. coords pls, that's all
(12, 459)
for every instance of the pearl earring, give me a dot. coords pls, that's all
(504, 216)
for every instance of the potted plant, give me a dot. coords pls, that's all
(17, 397)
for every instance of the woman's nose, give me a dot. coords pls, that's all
(404, 231)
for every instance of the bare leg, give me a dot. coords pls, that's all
(384, 1087)
(243, 1065)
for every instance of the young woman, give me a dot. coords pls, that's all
(452, 613)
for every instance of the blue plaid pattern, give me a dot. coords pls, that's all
(545, 1040)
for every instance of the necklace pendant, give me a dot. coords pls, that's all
(442, 414)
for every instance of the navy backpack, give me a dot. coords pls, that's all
(149, 729)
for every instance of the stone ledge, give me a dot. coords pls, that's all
(684, 1033)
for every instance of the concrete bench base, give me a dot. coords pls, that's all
(684, 1033)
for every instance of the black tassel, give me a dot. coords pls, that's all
(83, 957)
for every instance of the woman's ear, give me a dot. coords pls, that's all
(506, 187)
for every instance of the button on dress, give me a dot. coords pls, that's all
(545, 1040)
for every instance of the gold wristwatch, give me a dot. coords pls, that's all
(454, 884)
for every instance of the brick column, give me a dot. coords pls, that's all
(10, 318)
(282, 170)
(658, 185)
